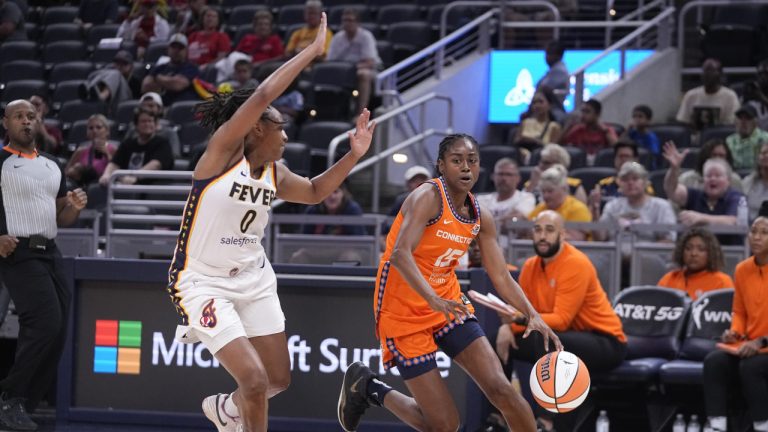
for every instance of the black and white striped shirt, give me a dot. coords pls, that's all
(29, 187)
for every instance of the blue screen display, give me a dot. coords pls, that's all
(514, 75)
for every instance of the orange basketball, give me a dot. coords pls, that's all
(559, 381)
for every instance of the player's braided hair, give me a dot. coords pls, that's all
(448, 141)
(715, 260)
(222, 106)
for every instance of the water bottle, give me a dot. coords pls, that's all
(693, 425)
(679, 424)
(603, 424)
(742, 213)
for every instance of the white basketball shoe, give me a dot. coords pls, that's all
(213, 408)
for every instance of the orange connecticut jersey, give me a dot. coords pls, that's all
(398, 308)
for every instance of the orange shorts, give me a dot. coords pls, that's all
(414, 354)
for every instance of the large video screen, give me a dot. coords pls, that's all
(514, 75)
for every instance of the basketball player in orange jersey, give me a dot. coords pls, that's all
(221, 281)
(418, 305)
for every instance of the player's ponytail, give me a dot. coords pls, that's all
(221, 107)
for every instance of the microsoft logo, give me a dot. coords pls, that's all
(118, 347)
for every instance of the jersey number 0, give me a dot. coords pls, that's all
(248, 219)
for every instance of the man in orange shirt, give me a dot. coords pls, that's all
(561, 283)
(749, 366)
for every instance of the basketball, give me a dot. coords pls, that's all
(559, 381)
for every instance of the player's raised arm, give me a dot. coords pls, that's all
(294, 188)
(230, 131)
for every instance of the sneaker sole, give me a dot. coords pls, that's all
(340, 406)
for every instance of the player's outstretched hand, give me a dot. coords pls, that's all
(449, 307)
(360, 139)
(318, 45)
(537, 324)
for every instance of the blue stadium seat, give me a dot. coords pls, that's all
(653, 319)
(489, 154)
(678, 133)
(710, 316)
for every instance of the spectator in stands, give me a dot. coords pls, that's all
(339, 202)
(639, 132)
(699, 259)
(725, 373)
(144, 25)
(209, 45)
(539, 127)
(173, 79)
(242, 77)
(34, 204)
(590, 134)
(290, 104)
(48, 137)
(756, 183)
(714, 148)
(146, 151)
(123, 63)
(89, 161)
(263, 44)
(189, 18)
(557, 77)
(414, 177)
(555, 197)
(711, 103)
(562, 285)
(506, 204)
(96, 12)
(715, 204)
(303, 37)
(553, 154)
(357, 45)
(608, 188)
(11, 22)
(756, 94)
(635, 206)
(153, 103)
(746, 142)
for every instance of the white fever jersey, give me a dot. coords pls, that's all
(224, 221)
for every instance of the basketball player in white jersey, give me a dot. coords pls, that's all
(221, 282)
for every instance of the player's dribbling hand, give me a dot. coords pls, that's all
(449, 308)
(318, 45)
(360, 139)
(7, 245)
(537, 324)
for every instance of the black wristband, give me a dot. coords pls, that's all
(764, 342)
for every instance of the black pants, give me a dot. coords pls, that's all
(40, 292)
(725, 374)
(600, 352)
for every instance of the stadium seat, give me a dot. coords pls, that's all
(525, 174)
(21, 69)
(182, 112)
(385, 53)
(63, 51)
(155, 50)
(124, 114)
(710, 316)
(74, 110)
(22, 89)
(59, 14)
(335, 13)
(192, 136)
(678, 133)
(578, 157)
(332, 85)
(318, 135)
(66, 91)
(18, 50)
(240, 31)
(78, 133)
(657, 181)
(228, 5)
(32, 30)
(489, 154)
(589, 176)
(62, 32)
(457, 16)
(397, 13)
(290, 15)
(653, 319)
(715, 132)
(297, 158)
(407, 38)
(99, 32)
(605, 157)
(76, 70)
(242, 15)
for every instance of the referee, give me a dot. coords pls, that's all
(33, 202)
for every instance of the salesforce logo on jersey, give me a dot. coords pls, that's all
(514, 75)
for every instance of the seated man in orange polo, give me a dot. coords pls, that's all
(561, 283)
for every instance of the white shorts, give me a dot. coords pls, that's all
(219, 309)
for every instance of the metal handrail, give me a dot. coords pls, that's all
(504, 4)
(681, 32)
(619, 45)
